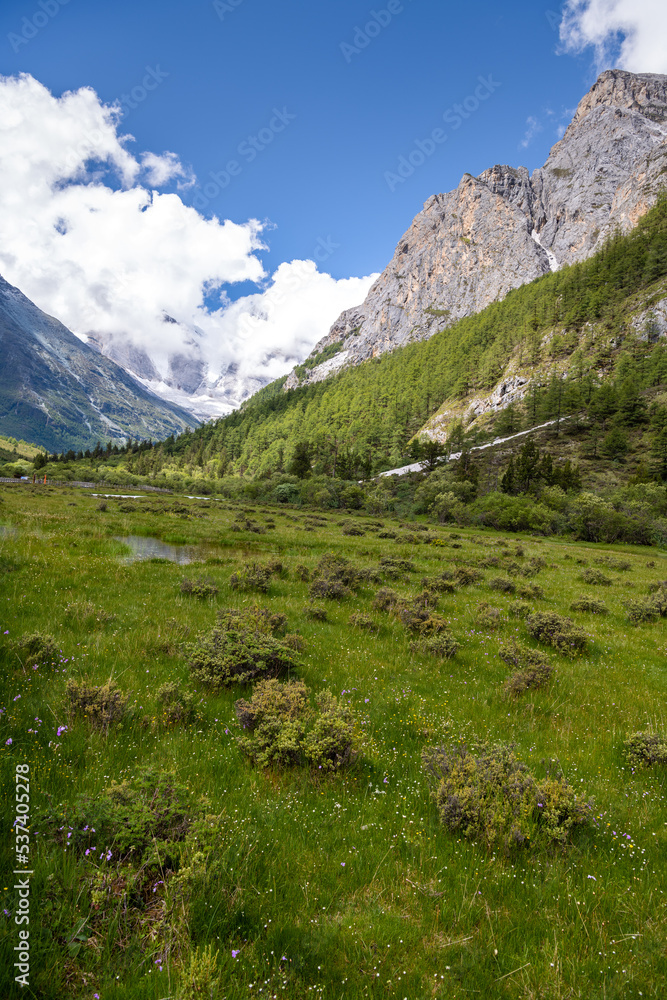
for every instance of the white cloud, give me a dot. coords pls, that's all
(534, 127)
(85, 233)
(629, 34)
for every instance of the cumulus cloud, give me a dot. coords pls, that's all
(629, 34)
(87, 234)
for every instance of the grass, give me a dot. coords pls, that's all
(345, 886)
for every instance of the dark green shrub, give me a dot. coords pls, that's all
(503, 584)
(488, 794)
(465, 575)
(441, 644)
(334, 578)
(241, 647)
(590, 604)
(302, 572)
(317, 612)
(363, 621)
(487, 616)
(385, 600)
(530, 592)
(128, 818)
(394, 569)
(353, 530)
(520, 609)
(36, 648)
(295, 641)
(532, 668)
(620, 565)
(646, 748)
(441, 584)
(101, 705)
(175, 706)
(557, 631)
(280, 727)
(648, 610)
(387, 534)
(596, 578)
(252, 577)
(203, 587)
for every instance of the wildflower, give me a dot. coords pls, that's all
(17, 697)
(61, 730)
(235, 952)
(9, 742)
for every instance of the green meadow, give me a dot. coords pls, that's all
(168, 865)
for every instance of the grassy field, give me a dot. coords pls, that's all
(343, 885)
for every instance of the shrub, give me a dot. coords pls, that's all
(557, 631)
(520, 609)
(360, 620)
(532, 668)
(88, 615)
(295, 641)
(487, 616)
(353, 530)
(241, 647)
(441, 644)
(252, 577)
(503, 584)
(395, 568)
(203, 587)
(101, 705)
(302, 572)
(200, 980)
(385, 600)
(442, 584)
(36, 648)
(465, 575)
(128, 817)
(317, 612)
(282, 729)
(646, 748)
(620, 565)
(648, 610)
(530, 592)
(488, 794)
(334, 577)
(175, 705)
(596, 577)
(591, 604)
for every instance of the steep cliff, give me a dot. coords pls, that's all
(495, 232)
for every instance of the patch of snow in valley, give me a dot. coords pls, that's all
(553, 263)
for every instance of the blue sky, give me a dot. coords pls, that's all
(347, 116)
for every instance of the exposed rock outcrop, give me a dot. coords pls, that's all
(495, 232)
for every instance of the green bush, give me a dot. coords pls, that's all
(334, 578)
(465, 575)
(441, 644)
(241, 647)
(503, 584)
(532, 668)
(101, 705)
(590, 604)
(36, 648)
(488, 794)
(557, 631)
(530, 592)
(395, 569)
(596, 577)
(647, 610)
(317, 612)
(203, 587)
(646, 748)
(363, 621)
(385, 600)
(252, 577)
(281, 728)
(200, 980)
(441, 584)
(175, 705)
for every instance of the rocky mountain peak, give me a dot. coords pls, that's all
(497, 231)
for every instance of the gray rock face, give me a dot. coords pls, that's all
(504, 228)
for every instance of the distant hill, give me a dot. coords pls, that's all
(61, 394)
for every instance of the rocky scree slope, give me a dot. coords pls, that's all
(62, 394)
(495, 232)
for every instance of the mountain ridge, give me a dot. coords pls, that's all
(504, 228)
(61, 393)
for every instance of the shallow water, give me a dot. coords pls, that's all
(152, 548)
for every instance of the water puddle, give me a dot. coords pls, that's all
(152, 548)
